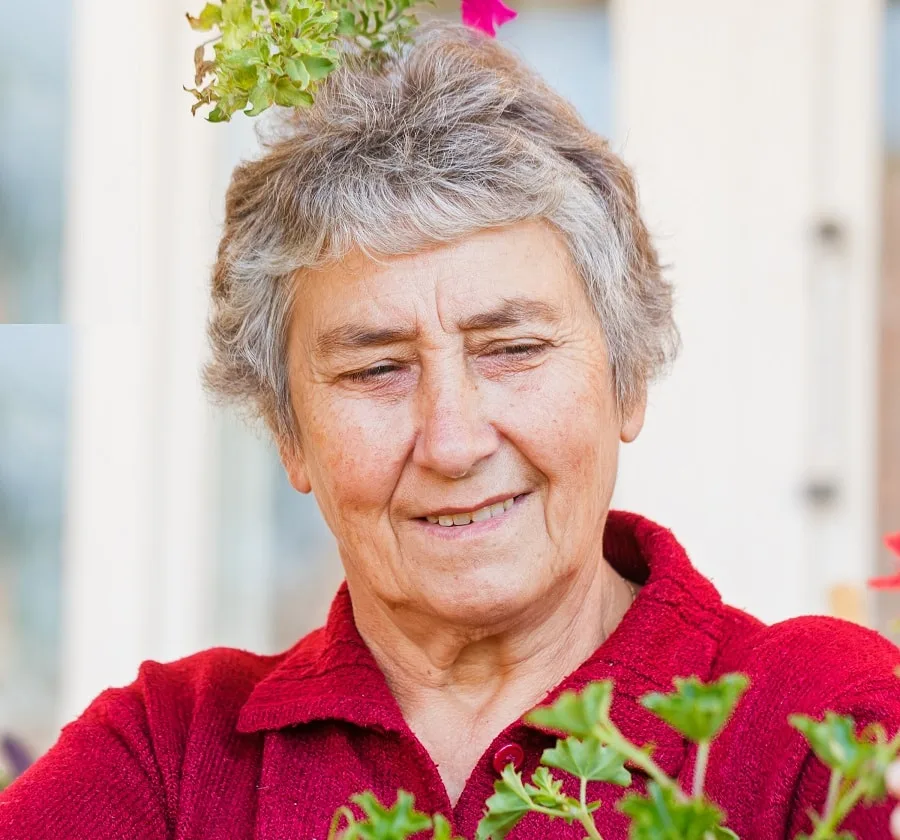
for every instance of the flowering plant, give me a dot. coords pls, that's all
(892, 541)
(276, 52)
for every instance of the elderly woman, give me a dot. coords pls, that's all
(436, 288)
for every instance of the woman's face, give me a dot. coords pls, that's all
(468, 384)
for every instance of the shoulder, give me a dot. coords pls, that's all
(213, 682)
(191, 704)
(812, 658)
(808, 666)
(219, 678)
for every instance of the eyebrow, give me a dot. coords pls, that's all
(511, 312)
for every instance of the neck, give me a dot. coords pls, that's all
(491, 675)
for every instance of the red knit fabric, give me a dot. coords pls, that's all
(226, 745)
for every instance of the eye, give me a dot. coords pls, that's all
(375, 372)
(518, 350)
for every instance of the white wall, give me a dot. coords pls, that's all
(747, 124)
(141, 231)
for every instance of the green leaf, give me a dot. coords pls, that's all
(210, 16)
(396, 823)
(588, 759)
(300, 14)
(297, 71)
(860, 758)
(504, 810)
(237, 23)
(288, 95)
(698, 710)
(662, 816)
(241, 59)
(442, 829)
(576, 714)
(347, 25)
(318, 68)
(261, 98)
(546, 791)
(217, 115)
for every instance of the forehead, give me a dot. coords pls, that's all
(445, 286)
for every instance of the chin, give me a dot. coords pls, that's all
(479, 602)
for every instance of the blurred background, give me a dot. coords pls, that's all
(138, 522)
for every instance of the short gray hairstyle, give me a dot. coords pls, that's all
(453, 136)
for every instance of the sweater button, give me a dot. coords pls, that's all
(509, 754)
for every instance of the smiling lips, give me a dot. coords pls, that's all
(467, 517)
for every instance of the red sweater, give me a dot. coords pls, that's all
(227, 745)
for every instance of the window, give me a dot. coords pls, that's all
(34, 60)
(34, 397)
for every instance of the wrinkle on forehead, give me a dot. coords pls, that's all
(440, 286)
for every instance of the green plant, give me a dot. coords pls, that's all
(857, 762)
(595, 750)
(276, 52)
(592, 748)
(380, 823)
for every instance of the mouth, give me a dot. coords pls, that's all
(459, 518)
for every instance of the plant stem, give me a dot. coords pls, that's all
(608, 734)
(585, 818)
(700, 769)
(842, 807)
(834, 789)
(347, 814)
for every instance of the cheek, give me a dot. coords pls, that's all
(566, 416)
(356, 453)
(564, 423)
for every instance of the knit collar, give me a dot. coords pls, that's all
(672, 629)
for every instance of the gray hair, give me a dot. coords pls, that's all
(454, 136)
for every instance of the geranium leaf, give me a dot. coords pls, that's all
(576, 714)
(588, 759)
(395, 823)
(660, 815)
(504, 810)
(696, 709)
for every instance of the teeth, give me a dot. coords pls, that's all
(480, 515)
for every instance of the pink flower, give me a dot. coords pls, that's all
(486, 14)
(892, 541)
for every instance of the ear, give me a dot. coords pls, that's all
(294, 464)
(633, 421)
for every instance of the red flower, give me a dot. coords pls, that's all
(486, 14)
(892, 541)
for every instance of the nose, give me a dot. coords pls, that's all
(454, 433)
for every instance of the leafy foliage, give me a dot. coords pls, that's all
(697, 710)
(858, 765)
(381, 823)
(835, 742)
(577, 714)
(661, 815)
(275, 52)
(513, 799)
(588, 759)
(593, 749)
